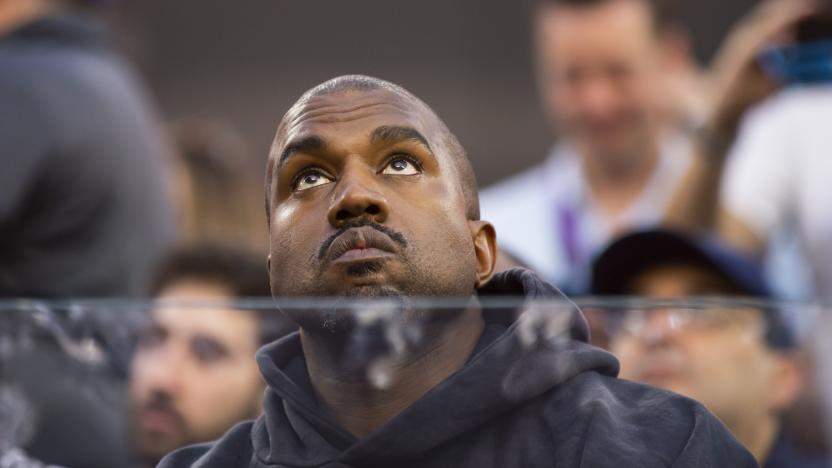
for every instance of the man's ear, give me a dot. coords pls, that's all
(787, 380)
(485, 249)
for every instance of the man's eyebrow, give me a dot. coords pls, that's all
(310, 143)
(394, 134)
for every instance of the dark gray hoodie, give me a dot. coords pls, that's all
(558, 404)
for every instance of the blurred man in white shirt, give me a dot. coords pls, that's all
(605, 70)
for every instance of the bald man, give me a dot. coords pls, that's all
(370, 195)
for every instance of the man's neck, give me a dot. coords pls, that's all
(759, 438)
(616, 182)
(362, 406)
(14, 14)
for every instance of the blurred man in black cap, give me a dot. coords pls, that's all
(739, 361)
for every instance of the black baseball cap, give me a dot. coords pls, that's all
(635, 253)
(632, 254)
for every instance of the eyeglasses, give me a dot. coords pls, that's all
(636, 322)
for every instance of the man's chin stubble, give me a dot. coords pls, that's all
(371, 291)
(364, 269)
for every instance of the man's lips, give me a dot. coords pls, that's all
(361, 243)
(159, 420)
(362, 254)
(659, 369)
(658, 373)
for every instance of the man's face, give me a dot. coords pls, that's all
(718, 357)
(366, 201)
(600, 70)
(194, 374)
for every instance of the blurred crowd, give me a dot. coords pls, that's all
(668, 179)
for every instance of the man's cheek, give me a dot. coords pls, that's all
(286, 243)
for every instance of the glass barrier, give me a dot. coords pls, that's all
(122, 383)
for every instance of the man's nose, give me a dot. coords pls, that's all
(599, 97)
(164, 370)
(358, 195)
(658, 327)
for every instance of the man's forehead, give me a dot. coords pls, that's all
(201, 318)
(359, 110)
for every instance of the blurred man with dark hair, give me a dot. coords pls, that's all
(83, 205)
(608, 73)
(370, 195)
(740, 361)
(217, 189)
(194, 375)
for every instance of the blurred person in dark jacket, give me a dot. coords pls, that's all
(193, 375)
(83, 211)
(83, 203)
(740, 361)
(370, 195)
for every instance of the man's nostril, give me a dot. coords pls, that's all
(341, 215)
(373, 210)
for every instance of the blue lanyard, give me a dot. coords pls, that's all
(567, 223)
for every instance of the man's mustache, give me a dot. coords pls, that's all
(162, 402)
(396, 236)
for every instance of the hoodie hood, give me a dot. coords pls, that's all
(520, 356)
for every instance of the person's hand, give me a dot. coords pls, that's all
(736, 82)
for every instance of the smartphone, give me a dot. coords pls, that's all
(808, 60)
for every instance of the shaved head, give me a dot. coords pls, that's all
(358, 160)
(361, 83)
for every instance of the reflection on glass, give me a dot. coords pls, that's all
(741, 359)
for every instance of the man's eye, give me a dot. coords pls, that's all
(152, 338)
(310, 180)
(207, 350)
(401, 166)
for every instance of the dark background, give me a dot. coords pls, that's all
(246, 61)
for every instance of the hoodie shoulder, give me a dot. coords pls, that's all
(233, 450)
(639, 425)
